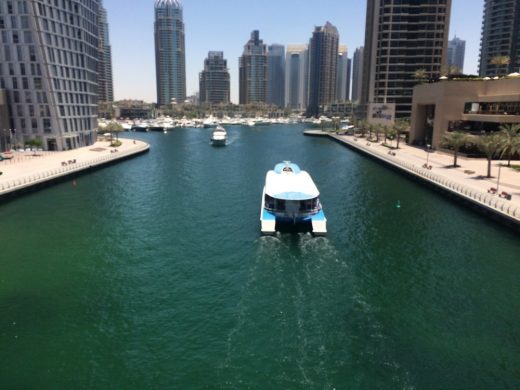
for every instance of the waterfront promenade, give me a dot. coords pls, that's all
(30, 169)
(467, 181)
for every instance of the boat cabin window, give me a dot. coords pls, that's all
(307, 205)
(287, 169)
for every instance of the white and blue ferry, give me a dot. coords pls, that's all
(291, 198)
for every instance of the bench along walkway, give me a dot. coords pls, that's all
(461, 182)
(29, 170)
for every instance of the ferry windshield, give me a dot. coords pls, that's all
(307, 205)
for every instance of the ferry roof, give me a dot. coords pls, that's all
(288, 182)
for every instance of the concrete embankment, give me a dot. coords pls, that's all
(29, 171)
(465, 183)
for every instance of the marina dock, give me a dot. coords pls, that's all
(28, 171)
(466, 182)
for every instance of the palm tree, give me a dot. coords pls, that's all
(377, 128)
(501, 61)
(455, 140)
(510, 137)
(363, 128)
(489, 144)
(401, 126)
(420, 74)
(386, 130)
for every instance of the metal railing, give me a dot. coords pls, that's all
(477, 196)
(11, 185)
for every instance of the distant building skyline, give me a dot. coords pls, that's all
(170, 52)
(214, 79)
(400, 41)
(131, 43)
(253, 71)
(456, 53)
(323, 67)
(500, 38)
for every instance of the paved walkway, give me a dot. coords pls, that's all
(30, 168)
(467, 180)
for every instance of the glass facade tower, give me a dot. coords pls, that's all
(170, 54)
(456, 53)
(49, 69)
(105, 81)
(296, 77)
(276, 75)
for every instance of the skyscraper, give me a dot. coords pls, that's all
(343, 76)
(253, 71)
(170, 54)
(49, 71)
(456, 52)
(323, 63)
(214, 79)
(105, 81)
(296, 77)
(276, 75)
(403, 38)
(500, 44)
(357, 73)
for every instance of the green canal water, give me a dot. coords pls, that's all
(151, 273)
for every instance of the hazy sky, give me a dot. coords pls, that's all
(225, 25)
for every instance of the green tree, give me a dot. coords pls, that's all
(510, 140)
(455, 140)
(489, 144)
(114, 127)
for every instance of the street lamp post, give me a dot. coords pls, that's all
(498, 177)
(428, 146)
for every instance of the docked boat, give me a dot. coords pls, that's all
(290, 198)
(219, 136)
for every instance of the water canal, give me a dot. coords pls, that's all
(152, 274)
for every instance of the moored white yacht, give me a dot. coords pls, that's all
(291, 198)
(219, 136)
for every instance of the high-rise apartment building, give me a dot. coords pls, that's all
(500, 41)
(48, 68)
(276, 75)
(105, 80)
(343, 75)
(357, 73)
(296, 77)
(253, 71)
(170, 53)
(456, 53)
(214, 79)
(404, 39)
(323, 67)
